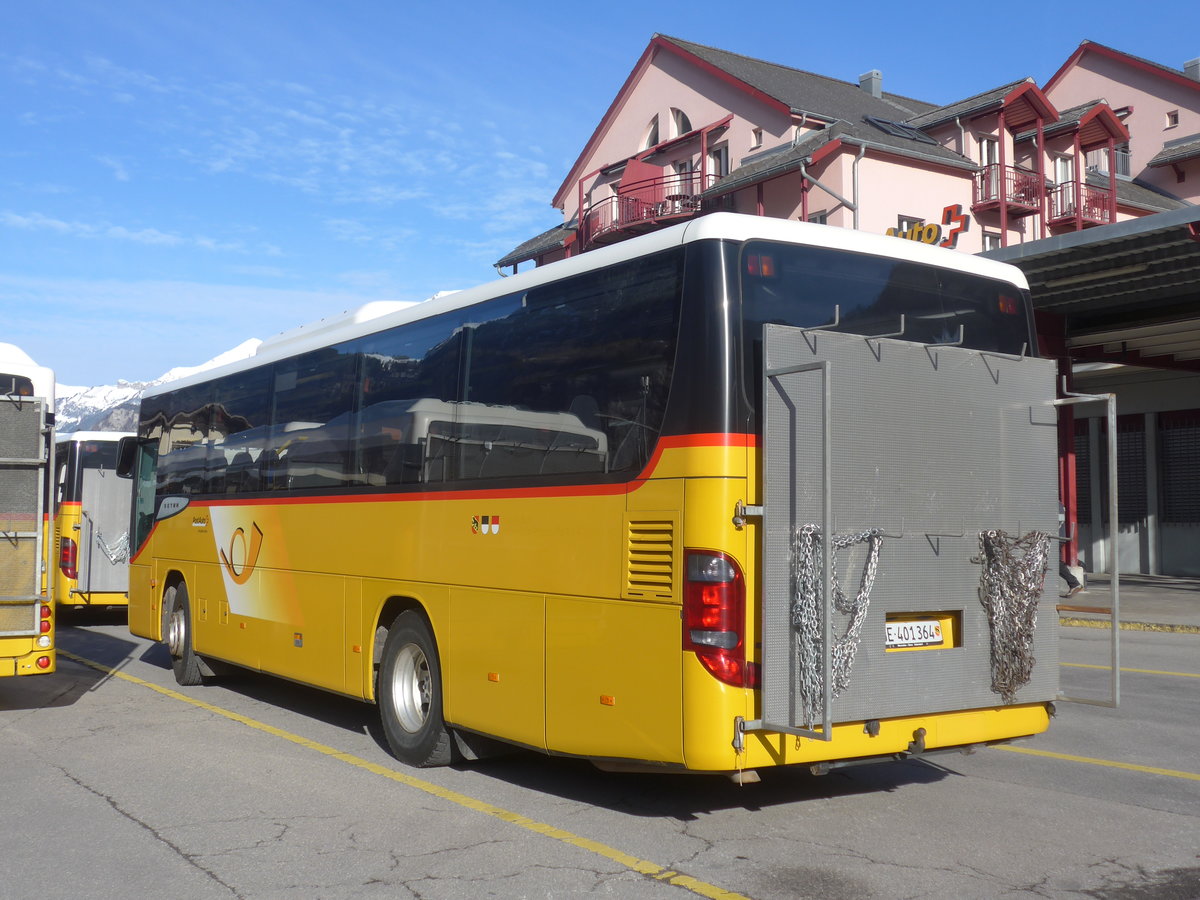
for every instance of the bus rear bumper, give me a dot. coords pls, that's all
(23, 659)
(874, 740)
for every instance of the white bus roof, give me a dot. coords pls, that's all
(716, 226)
(76, 436)
(15, 361)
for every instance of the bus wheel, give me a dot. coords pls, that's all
(177, 632)
(410, 694)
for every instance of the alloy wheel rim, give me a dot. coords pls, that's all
(175, 633)
(412, 688)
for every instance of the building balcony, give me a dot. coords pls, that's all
(1020, 190)
(645, 206)
(1079, 203)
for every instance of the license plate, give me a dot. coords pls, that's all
(920, 633)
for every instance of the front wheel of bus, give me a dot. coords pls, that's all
(177, 632)
(410, 694)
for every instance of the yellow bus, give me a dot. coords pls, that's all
(91, 521)
(583, 509)
(26, 464)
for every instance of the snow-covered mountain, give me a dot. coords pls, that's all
(114, 407)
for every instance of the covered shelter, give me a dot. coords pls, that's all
(1119, 306)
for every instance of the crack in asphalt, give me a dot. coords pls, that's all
(154, 832)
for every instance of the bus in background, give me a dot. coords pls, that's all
(26, 466)
(714, 499)
(91, 521)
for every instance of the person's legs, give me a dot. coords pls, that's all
(1073, 585)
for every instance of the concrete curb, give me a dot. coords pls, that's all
(1162, 627)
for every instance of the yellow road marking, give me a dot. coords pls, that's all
(641, 866)
(1149, 770)
(1106, 622)
(1137, 671)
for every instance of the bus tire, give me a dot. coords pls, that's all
(177, 633)
(410, 694)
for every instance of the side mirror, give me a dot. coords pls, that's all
(127, 449)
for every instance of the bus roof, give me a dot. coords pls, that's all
(716, 226)
(76, 436)
(15, 361)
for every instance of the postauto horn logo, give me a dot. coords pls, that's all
(239, 562)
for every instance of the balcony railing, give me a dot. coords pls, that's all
(1097, 161)
(1094, 203)
(643, 205)
(1019, 189)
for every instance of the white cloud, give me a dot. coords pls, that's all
(148, 236)
(357, 232)
(118, 168)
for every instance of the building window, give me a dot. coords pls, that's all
(755, 138)
(681, 122)
(1064, 169)
(820, 217)
(991, 241)
(1097, 160)
(989, 151)
(683, 177)
(651, 134)
(718, 161)
(1173, 118)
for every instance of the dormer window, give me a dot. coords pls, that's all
(651, 134)
(681, 122)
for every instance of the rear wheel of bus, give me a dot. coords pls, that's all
(177, 633)
(410, 694)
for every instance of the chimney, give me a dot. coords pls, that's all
(1191, 69)
(872, 82)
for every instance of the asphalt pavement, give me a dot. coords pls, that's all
(1146, 603)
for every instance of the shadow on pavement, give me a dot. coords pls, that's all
(667, 794)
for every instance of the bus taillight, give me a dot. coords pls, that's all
(68, 557)
(714, 617)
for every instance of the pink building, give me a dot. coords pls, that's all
(1090, 183)
(695, 129)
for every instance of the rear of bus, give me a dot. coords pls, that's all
(91, 522)
(889, 399)
(26, 460)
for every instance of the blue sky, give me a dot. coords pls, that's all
(176, 178)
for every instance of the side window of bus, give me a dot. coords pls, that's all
(63, 452)
(406, 374)
(310, 428)
(572, 378)
(239, 432)
(181, 425)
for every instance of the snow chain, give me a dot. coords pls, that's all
(118, 552)
(807, 610)
(1014, 573)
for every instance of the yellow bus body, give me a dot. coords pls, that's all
(27, 626)
(68, 521)
(297, 587)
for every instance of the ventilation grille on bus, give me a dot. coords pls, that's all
(650, 559)
(20, 572)
(18, 619)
